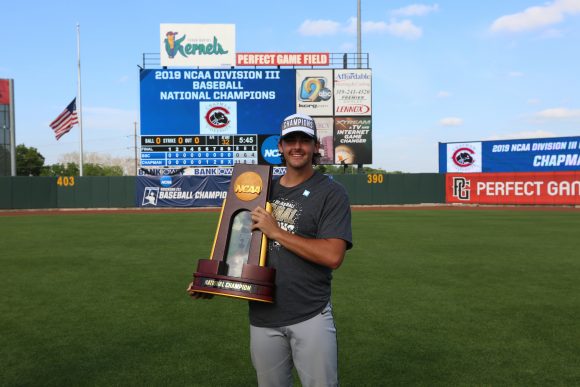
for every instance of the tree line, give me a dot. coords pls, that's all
(30, 162)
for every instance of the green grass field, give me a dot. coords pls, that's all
(426, 297)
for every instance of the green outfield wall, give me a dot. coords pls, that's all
(119, 191)
(374, 189)
(67, 192)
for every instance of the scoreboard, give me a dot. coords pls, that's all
(159, 151)
(221, 117)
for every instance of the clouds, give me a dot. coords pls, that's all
(319, 28)
(558, 114)
(415, 10)
(451, 121)
(396, 27)
(404, 29)
(523, 134)
(536, 17)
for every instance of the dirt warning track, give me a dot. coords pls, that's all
(439, 207)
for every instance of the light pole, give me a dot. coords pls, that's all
(358, 36)
(135, 139)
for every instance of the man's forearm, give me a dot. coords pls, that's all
(325, 252)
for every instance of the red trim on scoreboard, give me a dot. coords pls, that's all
(282, 59)
(513, 188)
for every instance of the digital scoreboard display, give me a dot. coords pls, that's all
(157, 151)
(221, 117)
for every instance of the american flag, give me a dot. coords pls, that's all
(66, 120)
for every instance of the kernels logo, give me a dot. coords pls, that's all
(173, 45)
(218, 117)
(248, 186)
(313, 89)
(461, 188)
(150, 196)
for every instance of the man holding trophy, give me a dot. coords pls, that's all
(309, 231)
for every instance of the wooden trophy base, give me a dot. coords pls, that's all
(255, 284)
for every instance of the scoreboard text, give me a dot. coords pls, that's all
(199, 150)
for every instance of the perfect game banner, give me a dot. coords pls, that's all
(215, 102)
(546, 188)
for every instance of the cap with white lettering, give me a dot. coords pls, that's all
(298, 123)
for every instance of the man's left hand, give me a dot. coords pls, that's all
(265, 222)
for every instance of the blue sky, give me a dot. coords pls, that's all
(442, 71)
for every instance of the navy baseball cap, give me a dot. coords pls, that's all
(298, 123)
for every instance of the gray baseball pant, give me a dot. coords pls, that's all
(310, 346)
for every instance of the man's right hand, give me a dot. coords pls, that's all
(198, 295)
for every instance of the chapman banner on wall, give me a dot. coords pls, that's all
(181, 191)
(523, 155)
(555, 188)
(193, 45)
(464, 157)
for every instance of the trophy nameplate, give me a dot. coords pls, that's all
(237, 264)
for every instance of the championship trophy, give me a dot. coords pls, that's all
(237, 264)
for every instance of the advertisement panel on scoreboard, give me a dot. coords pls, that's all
(314, 90)
(352, 92)
(353, 140)
(325, 133)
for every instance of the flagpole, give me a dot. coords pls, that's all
(79, 99)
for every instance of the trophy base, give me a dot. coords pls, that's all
(255, 284)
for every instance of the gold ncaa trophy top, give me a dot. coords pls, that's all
(237, 264)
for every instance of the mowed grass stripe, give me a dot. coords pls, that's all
(425, 297)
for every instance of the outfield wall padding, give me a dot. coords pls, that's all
(410, 188)
(98, 192)
(120, 191)
(23, 192)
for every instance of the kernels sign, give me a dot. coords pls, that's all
(198, 45)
